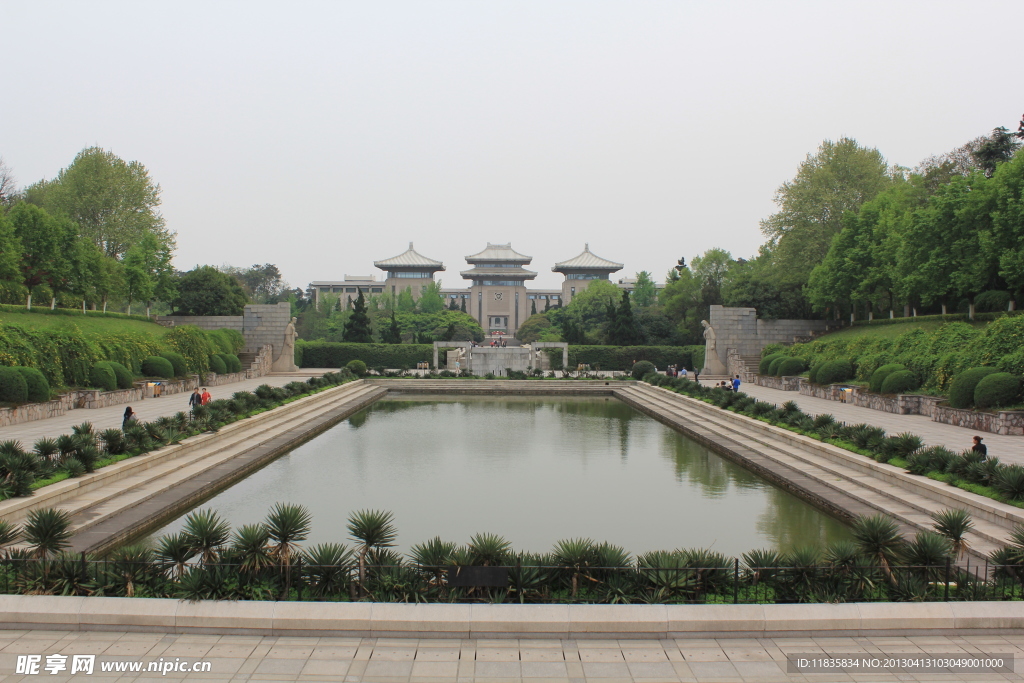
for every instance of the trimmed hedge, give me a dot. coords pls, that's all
(338, 354)
(997, 389)
(879, 375)
(231, 362)
(899, 382)
(157, 366)
(102, 376)
(177, 362)
(217, 364)
(764, 367)
(961, 391)
(38, 387)
(642, 368)
(13, 388)
(124, 377)
(790, 367)
(835, 371)
(773, 368)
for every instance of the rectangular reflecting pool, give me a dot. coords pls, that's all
(532, 469)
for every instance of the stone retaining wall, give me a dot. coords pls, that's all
(780, 383)
(375, 619)
(36, 411)
(1010, 422)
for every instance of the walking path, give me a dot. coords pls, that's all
(1009, 449)
(415, 660)
(149, 409)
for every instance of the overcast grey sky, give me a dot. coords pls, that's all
(322, 136)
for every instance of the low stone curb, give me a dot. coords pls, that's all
(368, 619)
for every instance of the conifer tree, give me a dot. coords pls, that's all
(533, 307)
(392, 335)
(357, 329)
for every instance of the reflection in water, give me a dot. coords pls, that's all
(532, 469)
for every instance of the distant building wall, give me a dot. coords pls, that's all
(260, 324)
(741, 330)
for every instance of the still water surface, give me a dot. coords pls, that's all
(532, 469)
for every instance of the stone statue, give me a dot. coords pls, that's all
(285, 361)
(713, 365)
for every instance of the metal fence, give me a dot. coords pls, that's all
(301, 580)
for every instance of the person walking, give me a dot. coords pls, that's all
(129, 417)
(196, 399)
(979, 447)
(736, 384)
(205, 397)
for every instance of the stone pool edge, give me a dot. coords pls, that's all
(367, 619)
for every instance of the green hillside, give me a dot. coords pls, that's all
(90, 325)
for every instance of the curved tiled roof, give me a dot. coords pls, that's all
(587, 261)
(499, 252)
(409, 259)
(499, 273)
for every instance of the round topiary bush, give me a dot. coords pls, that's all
(773, 367)
(102, 376)
(177, 362)
(13, 388)
(879, 375)
(961, 390)
(812, 374)
(835, 371)
(790, 367)
(358, 367)
(766, 363)
(218, 365)
(35, 381)
(123, 375)
(899, 382)
(997, 389)
(157, 366)
(231, 360)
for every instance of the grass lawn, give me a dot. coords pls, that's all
(89, 325)
(888, 331)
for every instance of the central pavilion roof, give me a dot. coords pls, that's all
(587, 261)
(498, 252)
(409, 259)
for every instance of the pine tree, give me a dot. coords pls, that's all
(463, 306)
(533, 307)
(453, 306)
(613, 323)
(547, 305)
(357, 329)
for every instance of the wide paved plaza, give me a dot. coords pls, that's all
(255, 658)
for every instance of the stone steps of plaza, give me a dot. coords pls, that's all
(912, 508)
(146, 476)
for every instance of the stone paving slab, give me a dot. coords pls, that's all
(414, 661)
(1009, 449)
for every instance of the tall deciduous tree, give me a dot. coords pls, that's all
(114, 202)
(431, 300)
(644, 292)
(204, 290)
(829, 184)
(10, 260)
(42, 238)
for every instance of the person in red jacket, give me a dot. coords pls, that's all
(206, 396)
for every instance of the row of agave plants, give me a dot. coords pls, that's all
(969, 470)
(267, 561)
(82, 451)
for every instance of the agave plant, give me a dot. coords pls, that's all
(82, 429)
(1009, 481)
(46, 448)
(489, 549)
(74, 467)
(9, 533)
(927, 551)
(249, 545)
(47, 531)
(577, 555)
(371, 529)
(180, 420)
(433, 556)
(287, 524)
(206, 533)
(17, 472)
(823, 420)
(878, 538)
(954, 524)
(667, 574)
(761, 565)
(802, 571)
(88, 455)
(113, 441)
(129, 568)
(326, 568)
(11, 447)
(173, 552)
(66, 445)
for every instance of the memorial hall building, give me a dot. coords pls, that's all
(497, 295)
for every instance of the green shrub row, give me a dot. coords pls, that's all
(70, 455)
(338, 355)
(934, 358)
(970, 471)
(624, 357)
(71, 312)
(948, 318)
